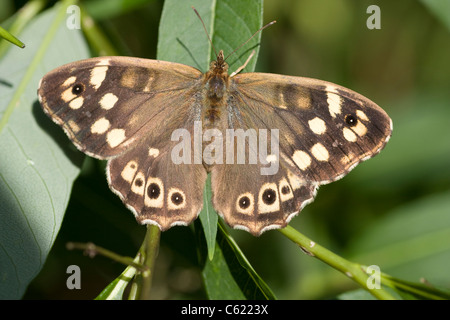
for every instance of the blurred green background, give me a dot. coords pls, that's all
(392, 211)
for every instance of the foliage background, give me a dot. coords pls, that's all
(393, 211)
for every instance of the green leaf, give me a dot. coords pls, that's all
(440, 9)
(230, 275)
(8, 36)
(38, 163)
(218, 280)
(208, 218)
(229, 23)
(114, 290)
(411, 242)
(106, 9)
(411, 290)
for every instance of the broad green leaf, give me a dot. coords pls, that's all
(229, 23)
(37, 162)
(411, 242)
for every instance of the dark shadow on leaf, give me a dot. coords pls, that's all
(5, 83)
(55, 131)
(190, 54)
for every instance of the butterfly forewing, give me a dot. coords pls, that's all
(325, 129)
(106, 104)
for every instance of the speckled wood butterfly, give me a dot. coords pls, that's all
(164, 126)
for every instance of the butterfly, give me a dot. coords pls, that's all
(267, 140)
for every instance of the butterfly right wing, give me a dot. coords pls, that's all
(325, 130)
(125, 110)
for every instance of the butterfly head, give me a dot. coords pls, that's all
(219, 67)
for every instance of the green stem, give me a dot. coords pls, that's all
(149, 252)
(352, 270)
(92, 250)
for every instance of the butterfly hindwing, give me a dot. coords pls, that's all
(154, 187)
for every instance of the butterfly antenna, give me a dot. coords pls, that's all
(206, 31)
(260, 29)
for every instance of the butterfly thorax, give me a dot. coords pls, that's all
(216, 82)
(216, 79)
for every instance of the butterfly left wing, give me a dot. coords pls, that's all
(106, 104)
(325, 130)
(125, 110)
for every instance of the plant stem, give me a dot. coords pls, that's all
(92, 250)
(352, 270)
(149, 251)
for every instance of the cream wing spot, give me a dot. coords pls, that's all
(282, 104)
(285, 190)
(245, 203)
(129, 171)
(301, 159)
(115, 137)
(76, 103)
(73, 126)
(268, 200)
(317, 126)
(154, 194)
(100, 126)
(294, 181)
(360, 129)
(138, 184)
(69, 81)
(98, 75)
(349, 135)
(104, 62)
(334, 101)
(362, 115)
(108, 101)
(319, 152)
(148, 86)
(153, 152)
(128, 79)
(67, 95)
